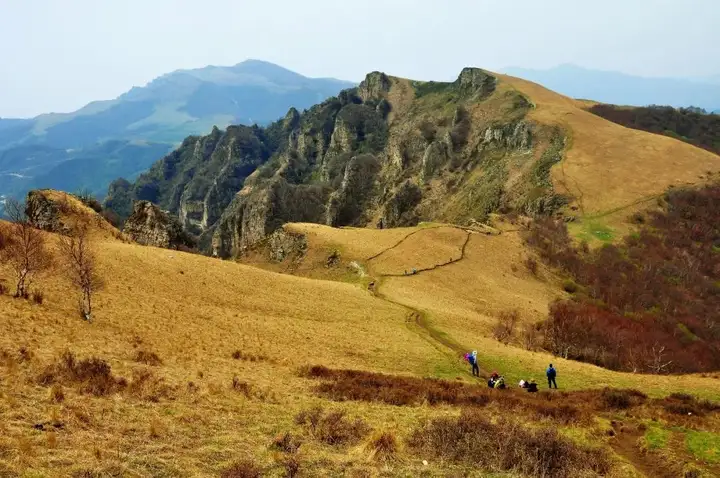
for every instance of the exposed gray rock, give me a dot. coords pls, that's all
(282, 244)
(150, 226)
(375, 86)
(476, 83)
(44, 213)
(514, 136)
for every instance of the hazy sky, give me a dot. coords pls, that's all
(57, 55)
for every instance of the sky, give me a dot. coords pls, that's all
(58, 55)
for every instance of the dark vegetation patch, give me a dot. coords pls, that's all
(617, 399)
(424, 88)
(507, 446)
(649, 304)
(242, 469)
(92, 375)
(686, 124)
(686, 404)
(287, 443)
(147, 357)
(332, 428)
(384, 447)
(240, 355)
(342, 385)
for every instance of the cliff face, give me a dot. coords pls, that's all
(150, 226)
(389, 153)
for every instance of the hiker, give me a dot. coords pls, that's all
(551, 374)
(523, 384)
(414, 271)
(491, 382)
(532, 387)
(472, 358)
(500, 383)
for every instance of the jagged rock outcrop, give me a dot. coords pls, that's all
(452, 152)
(476, 83)
(400, 209)
(44, 213)
(282, 244)
(375, 86)
(514, 136)
(150, 226)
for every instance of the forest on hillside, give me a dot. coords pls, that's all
(648, 304)
(686, 124)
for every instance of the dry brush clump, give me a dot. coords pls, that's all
(686, 404)
(92, 375)
(333, 427)
(384, 446)
(242, 469)
(507, 446)
(620, 399)
(147, 357)
(341, 385)
(504, 329)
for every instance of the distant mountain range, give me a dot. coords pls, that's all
(124, 136)
(622, 89)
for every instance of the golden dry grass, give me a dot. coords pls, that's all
(608, 167)
(193, 312)
(462, 301)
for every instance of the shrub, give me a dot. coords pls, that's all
(561, 413)
(428, 131)
(505, 327)
(621, 399)
(532, 265)
(531, 337)
(242, 469)
(3, 287)
(57, 395)
(570, 286)
(506, 446)
(241, 386)
(384, 446)
(685, 404)
(292, 466)
(287, 443)
(145, 385)
(332, 428)
(37, 297)
(147, 357)
(92, 375)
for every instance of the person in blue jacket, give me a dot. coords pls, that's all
(472, 358)
(551, 374)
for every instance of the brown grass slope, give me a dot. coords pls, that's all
(608, 166)
(461, 301)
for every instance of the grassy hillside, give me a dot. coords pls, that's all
(204, 359)
(609, 170)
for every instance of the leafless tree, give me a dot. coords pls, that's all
(505, 327)
(79, 261)
(25, 249)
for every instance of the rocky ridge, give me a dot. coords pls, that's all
(388, 153)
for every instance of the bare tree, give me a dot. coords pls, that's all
(25, 249)
(505, 327)
(79, 260)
